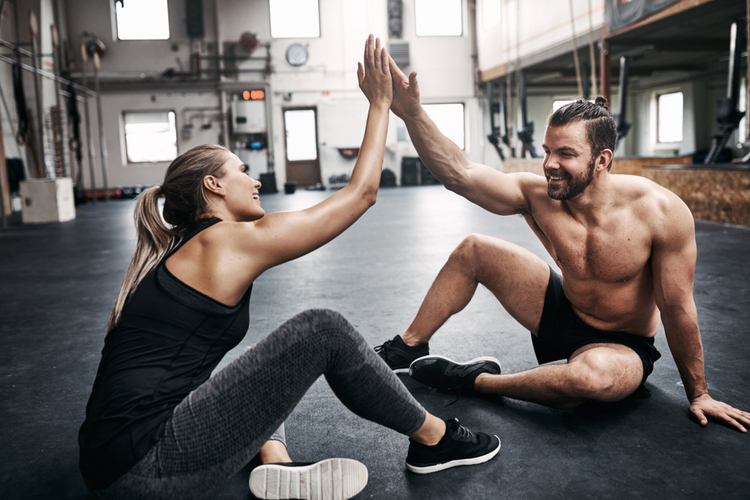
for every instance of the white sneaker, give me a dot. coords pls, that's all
(331, 479)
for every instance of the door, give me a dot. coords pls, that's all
(302, 159)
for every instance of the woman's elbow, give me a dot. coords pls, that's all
(370, 197)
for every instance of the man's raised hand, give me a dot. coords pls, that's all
(405, 93)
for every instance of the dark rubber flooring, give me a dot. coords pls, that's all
(59, 281)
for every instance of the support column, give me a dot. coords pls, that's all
(605, 70)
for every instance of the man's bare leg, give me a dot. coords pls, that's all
(517, 277)
(598, 372)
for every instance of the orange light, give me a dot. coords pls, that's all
(246, 95)
(257, 95)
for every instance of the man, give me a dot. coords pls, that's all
(625, 246)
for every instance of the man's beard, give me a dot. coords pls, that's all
(573, 185)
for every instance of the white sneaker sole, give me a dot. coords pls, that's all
(475, 360)
(454, 463)
(331, 479)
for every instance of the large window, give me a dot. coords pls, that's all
(438, 17)
(150, 136)
(449, 119)
(142, 20)
(301, 140)
(294, 18)
(669, 118)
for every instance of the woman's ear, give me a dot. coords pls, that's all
(213, 185)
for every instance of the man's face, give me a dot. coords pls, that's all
(568, 165)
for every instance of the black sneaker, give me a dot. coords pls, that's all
(398, 355)
(334, 478)
(449, 376)
(459, 446)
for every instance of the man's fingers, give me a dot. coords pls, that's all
(413, 85)
(396, 72)
(700, 416)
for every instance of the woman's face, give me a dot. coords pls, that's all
(241, 191)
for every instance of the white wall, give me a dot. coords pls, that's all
(328, 80)
(528, 27)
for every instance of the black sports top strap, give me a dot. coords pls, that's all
(191, 230)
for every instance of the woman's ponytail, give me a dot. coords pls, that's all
(155, 240)
(185, 201)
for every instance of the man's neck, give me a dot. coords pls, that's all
(595, 201)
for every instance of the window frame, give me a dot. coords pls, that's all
(463, 119)
(417, 23)
(657, 140)
(116, 26)
(126, 152)
(281, 37)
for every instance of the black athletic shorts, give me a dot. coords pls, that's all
(562, 332)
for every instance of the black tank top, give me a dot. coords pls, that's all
(169, 339)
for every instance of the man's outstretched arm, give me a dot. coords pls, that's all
(673, 263)
(494, 191)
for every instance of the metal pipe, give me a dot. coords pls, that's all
(100, 119)
(269, 132)
(38, 92)
(58, 103)
(89, 143)
(40, 72)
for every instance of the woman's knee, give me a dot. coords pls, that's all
(326, 323)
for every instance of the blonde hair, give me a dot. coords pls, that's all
(185, 201)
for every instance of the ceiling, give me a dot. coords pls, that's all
(689, 44)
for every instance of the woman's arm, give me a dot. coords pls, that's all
(284, 236)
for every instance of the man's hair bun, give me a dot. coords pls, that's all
(602, 101)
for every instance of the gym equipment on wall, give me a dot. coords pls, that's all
(526, 134)
(622, 125)
(728, 115)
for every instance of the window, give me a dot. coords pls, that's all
(559, 104)
(150, 136)
(490, 13)
(142, 20)
(294, 18)
(449, 119)
(438, 17)
(301, 140)
(669, 118)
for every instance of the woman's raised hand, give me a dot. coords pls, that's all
(375, 76)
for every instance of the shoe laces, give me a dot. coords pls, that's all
(461, 433)
(384, 347)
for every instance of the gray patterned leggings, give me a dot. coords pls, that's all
(221, 425)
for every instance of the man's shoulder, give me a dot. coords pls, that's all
(655, 205)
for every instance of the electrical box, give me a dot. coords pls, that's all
(249, 112)
(47, 200)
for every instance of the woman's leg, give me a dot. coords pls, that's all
(220, 426)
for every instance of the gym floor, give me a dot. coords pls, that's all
(59, 282)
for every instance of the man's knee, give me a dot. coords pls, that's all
(602, 377)
(468, 251)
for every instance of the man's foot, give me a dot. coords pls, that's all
(331, 479)
(459, 446)
(398, 356)
(449, 376)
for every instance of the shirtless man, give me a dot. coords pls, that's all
(625, 246)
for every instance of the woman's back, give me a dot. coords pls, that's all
(169, 339)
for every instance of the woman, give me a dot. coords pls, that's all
(156, 425)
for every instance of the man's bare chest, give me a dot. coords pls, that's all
(618, 252)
